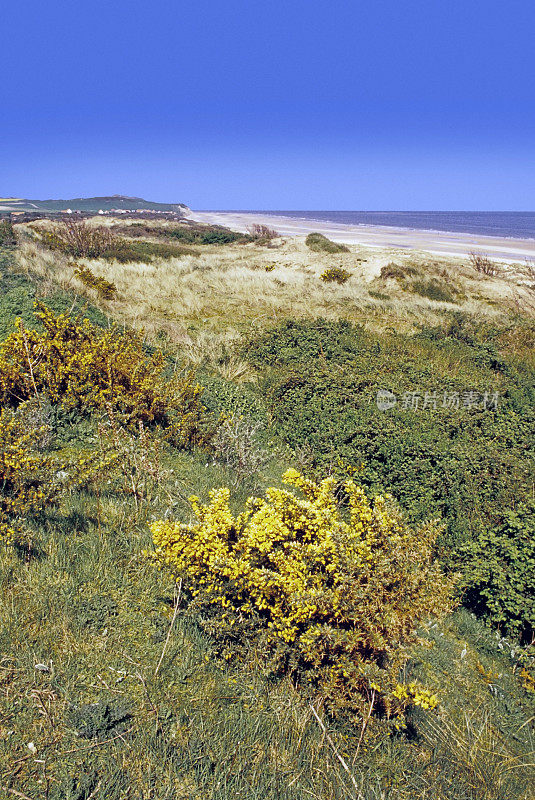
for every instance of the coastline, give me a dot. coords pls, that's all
(452, 244)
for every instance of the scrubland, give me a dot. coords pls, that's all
(235, 669)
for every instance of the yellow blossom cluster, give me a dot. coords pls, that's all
(413, 694)
(31, 479)
(22, 488)
(343, 588)
(75, 364)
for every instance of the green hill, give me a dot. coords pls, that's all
(91, 204)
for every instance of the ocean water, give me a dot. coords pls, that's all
(511, 224)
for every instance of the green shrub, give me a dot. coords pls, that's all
(204, 235)
(124, 251)
(105, 289)
(499, 571)
(320, 244)
(469, 466)
(336, 275)
(7, 234)
(434, 290)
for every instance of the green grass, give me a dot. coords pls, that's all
(19, 290)
(85, 620)
(97, 615)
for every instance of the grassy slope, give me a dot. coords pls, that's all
(96, 615)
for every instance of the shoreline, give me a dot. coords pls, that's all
(444, 243)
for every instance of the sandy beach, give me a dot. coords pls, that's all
(437, 242)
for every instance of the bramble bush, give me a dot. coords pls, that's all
(333, 598)
(470, 467)
(77, 365)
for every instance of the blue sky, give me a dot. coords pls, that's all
(390, 104)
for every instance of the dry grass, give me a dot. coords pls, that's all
(218, 290)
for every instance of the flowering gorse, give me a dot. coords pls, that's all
(32, 479)
(77, 365)
(336, 593)
(335, 274)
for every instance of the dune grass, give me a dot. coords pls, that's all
(238, 286)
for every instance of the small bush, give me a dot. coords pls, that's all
(320, 244)
(396, 271)
(76, 238)
(259, 231)
(483, 264)
(336, 275)
(105, 289)
(333, 598)
(7, 234)
(433, 290)
(236, 445)
(76, 365)
(204, 234)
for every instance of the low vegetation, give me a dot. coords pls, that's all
(291, 635)
(335, 275)
(333, 602)
(76, 238)
(320, 244)
(7, 234)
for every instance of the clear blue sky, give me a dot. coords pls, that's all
(280, 104)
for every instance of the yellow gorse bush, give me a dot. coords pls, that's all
(340, 591)
(25, 486)
(32, 480)
(75, 364)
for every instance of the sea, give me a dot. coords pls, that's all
(508, 224)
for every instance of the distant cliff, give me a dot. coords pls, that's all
(92, 204)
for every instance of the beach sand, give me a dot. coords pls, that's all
(437, 242)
